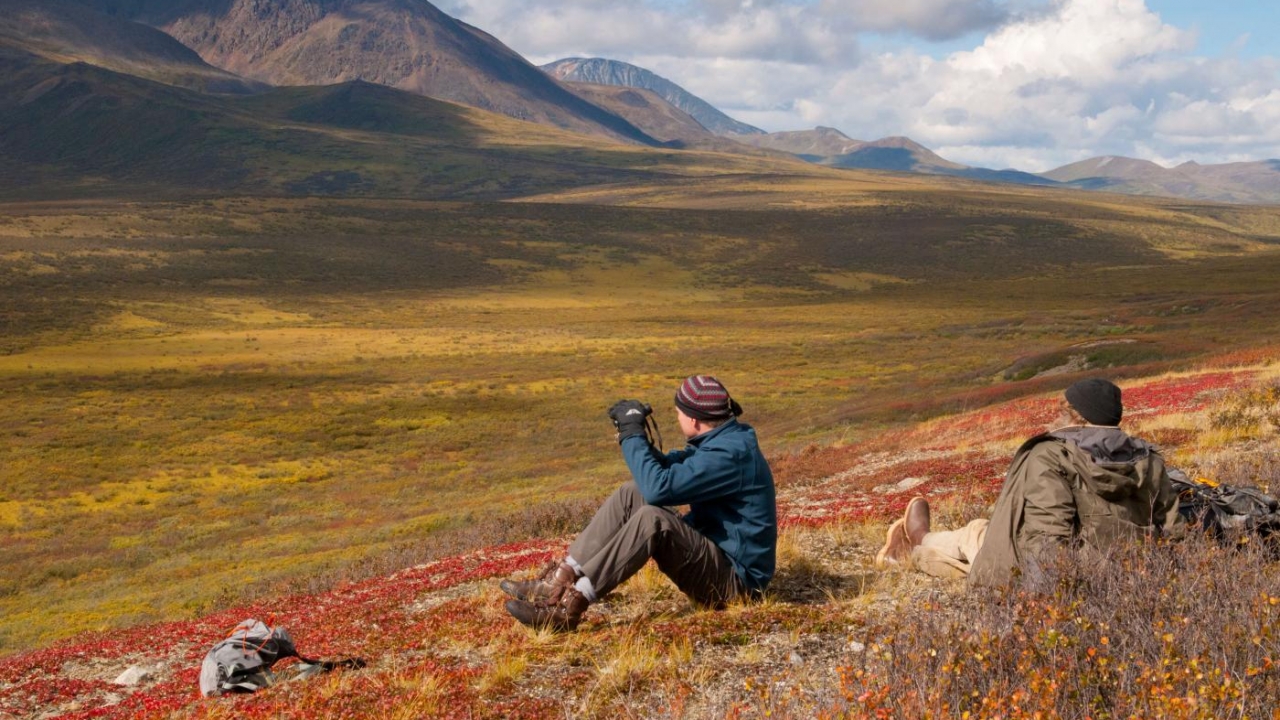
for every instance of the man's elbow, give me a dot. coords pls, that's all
(656, 494)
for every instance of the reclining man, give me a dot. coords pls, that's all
(723, 548)
(1086, 484)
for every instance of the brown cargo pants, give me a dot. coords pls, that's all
(626, 532)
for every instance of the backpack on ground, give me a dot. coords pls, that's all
(1223, 510)
(242, 662)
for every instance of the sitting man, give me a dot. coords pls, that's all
(723, 548)
(1087, 484)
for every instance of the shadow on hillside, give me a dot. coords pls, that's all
(817, 586)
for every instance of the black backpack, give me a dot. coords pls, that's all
(1225, 511)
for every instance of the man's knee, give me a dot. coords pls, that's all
(628, 495)
(625, 500)
(652, 517)
(937, 563)
(630, 490)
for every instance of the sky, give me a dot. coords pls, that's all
(1026, 84)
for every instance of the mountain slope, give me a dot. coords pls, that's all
(80, 123)
(600, 71)
(655, 116)
(812, 145)
(64, 31)
(406, 44)
(1110, 166)
(662, 121)
(894, 153)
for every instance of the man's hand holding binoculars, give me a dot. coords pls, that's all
(629, 417)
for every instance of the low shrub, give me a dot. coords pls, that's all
(1189, 629)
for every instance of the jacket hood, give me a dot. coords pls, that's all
(1109, 445)
(1117, 470)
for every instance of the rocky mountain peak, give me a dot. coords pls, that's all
(602, 71)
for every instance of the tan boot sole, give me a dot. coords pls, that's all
(883, 558)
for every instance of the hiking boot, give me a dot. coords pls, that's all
(562, 615)
(897, 546)
(544, 588)
(915, 521)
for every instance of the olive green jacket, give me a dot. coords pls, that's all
(1081, 486)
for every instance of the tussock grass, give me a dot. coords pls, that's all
(505, 669)
(634, 661)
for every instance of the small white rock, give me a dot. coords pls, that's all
(133, 676)
(856, 647)
(899, 487)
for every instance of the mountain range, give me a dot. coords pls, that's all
(1248, 182)
(1257, 182)
(830, 147)
(1240, 182)
(143, 65)
(77, 129)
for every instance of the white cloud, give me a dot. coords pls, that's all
(812, 31)
(1050, 82)
(1086, 40)
(932, 19)
(764, 30)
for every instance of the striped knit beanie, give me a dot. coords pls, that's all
(702, 397)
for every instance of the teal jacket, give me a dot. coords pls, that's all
(723, 477)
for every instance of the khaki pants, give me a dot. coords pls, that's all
(626, 532)
(950, 554)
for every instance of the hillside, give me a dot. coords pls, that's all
(894, 153)
(661, 120)
(834, 637)
(403, 379)
(63, 31)
(1242, 182)
(599, 71)
(406, 44)
(656, 117)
